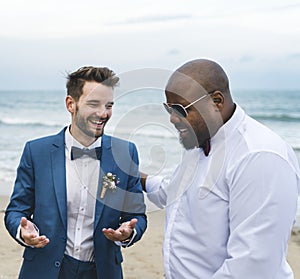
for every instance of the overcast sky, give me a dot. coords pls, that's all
(257, 42)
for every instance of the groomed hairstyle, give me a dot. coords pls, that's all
(76, 80)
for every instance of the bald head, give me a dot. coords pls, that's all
(205, 73)
(201, 86)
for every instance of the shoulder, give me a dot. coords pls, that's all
(258, 137)
(253, 140)
(48, 140)
(116, 142)
(122, 149)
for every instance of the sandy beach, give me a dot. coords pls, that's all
(143, 260)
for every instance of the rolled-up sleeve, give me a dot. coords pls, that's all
(156, 190)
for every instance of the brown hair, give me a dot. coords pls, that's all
(77, 79)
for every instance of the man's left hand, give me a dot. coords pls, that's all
(122, 233)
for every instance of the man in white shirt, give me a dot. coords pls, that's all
(231, 203)
(77, 197)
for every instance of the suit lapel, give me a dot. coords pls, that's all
(107, 164)
(59, 175)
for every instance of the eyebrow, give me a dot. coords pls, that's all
(98, 102)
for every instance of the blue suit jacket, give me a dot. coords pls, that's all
(40, 195)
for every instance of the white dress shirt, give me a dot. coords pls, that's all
(230, 214)
(82, 177)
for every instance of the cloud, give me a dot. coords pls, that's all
(294, 56)
(288, 6)
(41, 41)
(246, 58)
(173, 51)
(156, 18)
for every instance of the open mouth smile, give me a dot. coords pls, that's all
(98, 124)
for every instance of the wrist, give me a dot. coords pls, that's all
(126, 240)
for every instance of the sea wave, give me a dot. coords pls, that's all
(283, 117)
(146, 133)
(296, 148)
(27, 122)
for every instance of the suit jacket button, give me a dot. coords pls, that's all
(57, 264)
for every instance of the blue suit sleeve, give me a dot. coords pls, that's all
(134, 206)
(22, 200)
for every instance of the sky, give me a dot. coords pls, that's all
(257, 42)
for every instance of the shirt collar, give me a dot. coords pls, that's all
(229, 127)
(71, 141)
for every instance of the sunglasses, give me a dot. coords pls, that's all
(179, 109)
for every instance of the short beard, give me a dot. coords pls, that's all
(189, 143)
(194, 140)
(81, 124)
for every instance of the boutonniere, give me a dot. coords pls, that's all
(110, 181)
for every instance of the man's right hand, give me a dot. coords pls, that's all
(30, 234)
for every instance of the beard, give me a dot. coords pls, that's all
(193, 138)
(83, 125)
(188, 141)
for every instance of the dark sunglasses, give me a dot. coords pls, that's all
(179, 109)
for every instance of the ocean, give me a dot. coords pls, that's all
(138, 116)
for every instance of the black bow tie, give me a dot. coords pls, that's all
(78, 152)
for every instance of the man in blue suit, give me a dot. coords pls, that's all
(77, 196)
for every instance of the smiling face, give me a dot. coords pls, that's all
(189, 83)
(203, 117)
(91, 113)
(192, 129)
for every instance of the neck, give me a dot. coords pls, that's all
(206, 147)
(228, 114)
(82, 138)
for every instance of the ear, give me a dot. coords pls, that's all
(70, 104)
(218, 99)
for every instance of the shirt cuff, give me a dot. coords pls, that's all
(125, 243)
(153, 183)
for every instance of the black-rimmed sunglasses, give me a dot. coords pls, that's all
(179, 109)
